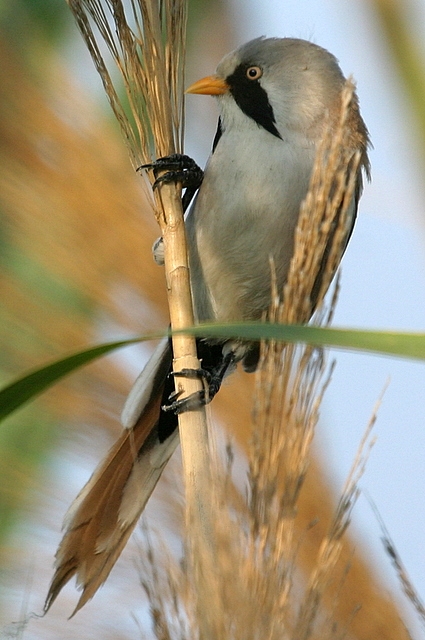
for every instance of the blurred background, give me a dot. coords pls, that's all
(76, 269)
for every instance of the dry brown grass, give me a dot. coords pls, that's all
(404, 579)
(146, 41)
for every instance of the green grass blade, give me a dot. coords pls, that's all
(34, 383)
(394, 343)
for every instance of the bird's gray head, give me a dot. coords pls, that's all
(281, 83)
(286, 86)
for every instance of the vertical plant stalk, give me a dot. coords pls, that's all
(149, 55)
(291, 381)
(193, 425)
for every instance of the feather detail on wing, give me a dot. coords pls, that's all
(104, 514)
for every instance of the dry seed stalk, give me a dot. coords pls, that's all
(150, 59)
(151, 68)
(289, 377)
(290, 381)
(404, 579)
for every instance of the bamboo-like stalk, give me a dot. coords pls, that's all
(150, 58)
(193, 425)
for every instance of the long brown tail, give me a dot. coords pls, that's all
(103, 515)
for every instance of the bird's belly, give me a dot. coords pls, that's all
(242, 227)
(238, 278)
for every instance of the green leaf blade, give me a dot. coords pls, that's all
(390, 343)
(19, 392)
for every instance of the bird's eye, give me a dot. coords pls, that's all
(254, 73)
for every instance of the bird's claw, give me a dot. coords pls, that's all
(192, 374)
(191, 403)
(195, 400)
(176, 168)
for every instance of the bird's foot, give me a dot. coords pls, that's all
(195, 400)
(177, 168)
(212, 381)
(190, 403)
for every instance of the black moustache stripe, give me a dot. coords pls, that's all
(252, 99)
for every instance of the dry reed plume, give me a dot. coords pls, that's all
(147, 44)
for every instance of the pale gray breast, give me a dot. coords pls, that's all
(246, 212)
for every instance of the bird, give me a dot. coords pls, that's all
(274, 95)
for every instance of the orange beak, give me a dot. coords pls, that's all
(210, 86)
